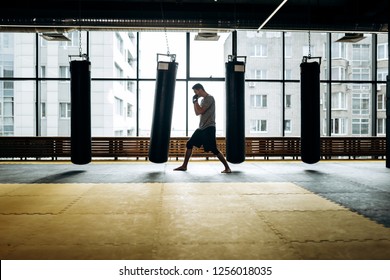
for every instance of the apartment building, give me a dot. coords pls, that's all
(272, 93)
(41, 83)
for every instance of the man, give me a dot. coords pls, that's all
(205, 134)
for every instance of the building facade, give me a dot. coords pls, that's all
(355, 82)
(112, 102)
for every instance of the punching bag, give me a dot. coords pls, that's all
(235, 111)
(162, 112)
(310, 112)
(80, 131)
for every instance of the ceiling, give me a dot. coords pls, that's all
(321, 15)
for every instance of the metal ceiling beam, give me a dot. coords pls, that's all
(322, 15)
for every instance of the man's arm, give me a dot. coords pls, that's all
(206, 103)
(198, 110)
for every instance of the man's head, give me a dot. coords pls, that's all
(198, 89)
(197, 86)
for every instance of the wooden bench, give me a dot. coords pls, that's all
(272, 147)
(138, 147)
(34, 147)
(353, 147)
(116, 147)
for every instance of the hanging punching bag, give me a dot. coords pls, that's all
(162, 112)
(310, 112)
(80, 131)
(235, 111)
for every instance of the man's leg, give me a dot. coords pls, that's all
(223, 160)
(195, 140)
(211, 145)
(187, 156)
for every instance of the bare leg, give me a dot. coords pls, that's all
(187, 156)
(223, 160)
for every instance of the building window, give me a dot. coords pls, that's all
(287, 126)
(288, 101)
(258, 126)
(118, 73)
(339, 101)
(339, 50)
(258, 101)
(118, 133)
(131, 35)
(360, 74)
(381, 102)
(129, 110)
(338, 73)
(118, 106)
(119, 43)
(383, 51)
(8, 87)
(288, 74)
(382, 74)
(6, 41)
(339, 126)
(130, 59)
(260, 74)
(43, 71)
(260, 50)
(74, 38)
(8, 71)
(8, 109)
(131, 86)
(360, 103)
(130, 132)
(360, 126)
(65, 110)
(7, 116)
(360, 54)
(64, 72)
(381, 126)
(43, 110)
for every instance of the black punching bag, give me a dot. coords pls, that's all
(235, 111)
(310, 112)
(162, 113)
(80, 131)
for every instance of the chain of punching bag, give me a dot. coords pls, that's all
(165, 28)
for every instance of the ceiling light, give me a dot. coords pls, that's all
(271, 15)
(55, 37)
(207, 36)
(351, 38)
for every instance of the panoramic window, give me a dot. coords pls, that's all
(123, 79)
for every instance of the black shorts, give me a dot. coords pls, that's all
(205, 137)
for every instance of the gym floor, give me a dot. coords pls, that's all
(274, 210)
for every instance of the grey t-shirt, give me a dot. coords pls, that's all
(208, 117)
